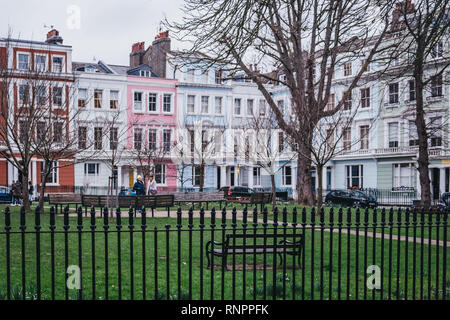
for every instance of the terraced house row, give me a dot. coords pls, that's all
(192, 125)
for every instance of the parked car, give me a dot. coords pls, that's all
(350, 198)
(444, 200)
(127, 192)
(5, 195)
(237, 192)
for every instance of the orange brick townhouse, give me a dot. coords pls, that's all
(50, 61)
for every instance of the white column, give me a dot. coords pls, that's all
(441, 181)
(223, 176)
(119, 177)
(250, 177)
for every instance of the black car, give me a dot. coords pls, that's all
(5, 195)
(237, 192)
(350, 198)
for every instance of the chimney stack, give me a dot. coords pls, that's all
(53, 37)
(137, 54)
(158, 53)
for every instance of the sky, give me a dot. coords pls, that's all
(96, 29)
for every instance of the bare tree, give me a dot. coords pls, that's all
(306, 40)
(422, 28)
(268, 147)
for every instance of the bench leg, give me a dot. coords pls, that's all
(209, 260)
(224, 261)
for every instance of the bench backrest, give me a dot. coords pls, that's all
(129, 201)
(261, 197)
(199, 196)
(94, 200)
(64, 198)
(164, 200)
(295, 240)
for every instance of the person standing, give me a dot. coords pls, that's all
(30, 192)
(139, 187)
(13, 193)
(152, 186)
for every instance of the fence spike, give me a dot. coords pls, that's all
(105, 216)
(130, 217)
(37, 217)
(233, 217)
(255, 216)
(22, 218)
(224, 218)
(285, 216)
(80, 218)
(191, 217)
(202, 217)
(244, 216)
(294, 216)
(93, 217)
(179, 213)
(7, 219)
(143, 218)
(118, 219)
(213, 217)
(52, 218)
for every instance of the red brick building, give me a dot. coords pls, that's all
(48, 63)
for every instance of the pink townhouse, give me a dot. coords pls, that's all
(151, 123)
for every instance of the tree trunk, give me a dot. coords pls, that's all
(319, 187)
(304, 181)
(274, 190)
(423, 160)
(202, 176)
(25, 194)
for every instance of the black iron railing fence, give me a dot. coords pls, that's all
(340, 254)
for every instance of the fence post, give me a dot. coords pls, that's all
(303, 223)
(8, 252)
(66, 228)
(119, 250)
(201, 226)
(223, 225)
(244, 257)
(105, 232)
(190, 227)
(330, 257)
(52, 249)
(37, 227)
(294, 225)
(255, 231)
(23, 228)
(93, 227)
(80, 248)
(179, 226)
(131, 213)
(233, 276)
(213, 225)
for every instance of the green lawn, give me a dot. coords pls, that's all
(317, 263)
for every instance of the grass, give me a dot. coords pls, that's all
(321, 269)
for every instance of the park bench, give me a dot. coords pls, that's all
(64, 199)
(135, 202)
(234, 244)
(256, 198)
(200, 197)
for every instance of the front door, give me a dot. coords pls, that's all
(435, 183)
